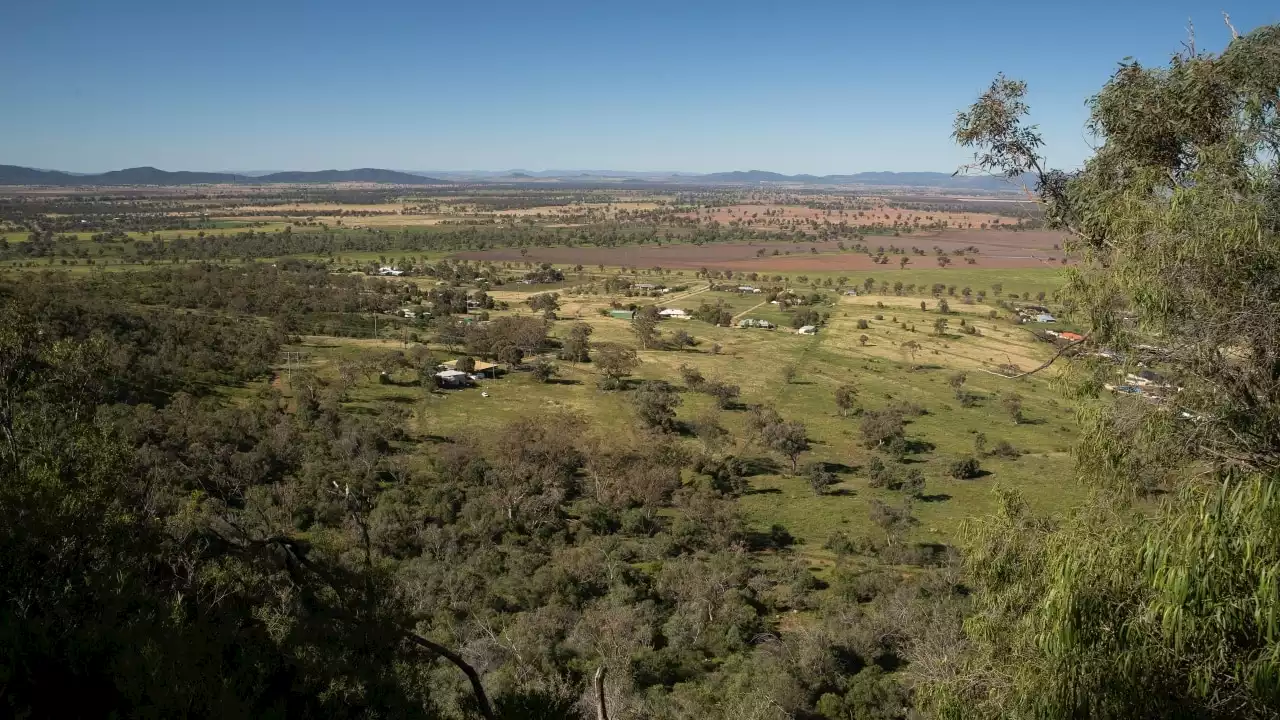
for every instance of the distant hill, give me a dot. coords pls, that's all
(152, 176)
(746, 176)
(888, 179)
(16, 175)
(365, 175)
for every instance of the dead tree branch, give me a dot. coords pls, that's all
(1046, 364)
(601, 712)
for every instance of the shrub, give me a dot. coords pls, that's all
(863, 324)
(1005, 450)
(880, 474)
(692, 377)
(913, 484)
(724, 393)
(965, 468)
(881, 427)
(544, 371)
(819, 477)
(656, 403)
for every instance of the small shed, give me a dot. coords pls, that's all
(623, 314)
(1073, 337)
(808, 330)
(1045, 318)
(482, 368)
(454, 378)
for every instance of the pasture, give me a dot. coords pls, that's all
(885, 371)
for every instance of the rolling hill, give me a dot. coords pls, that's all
(365, 175)
(16, 175)
(886, 179)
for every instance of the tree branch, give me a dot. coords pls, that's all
(601, 712)
(477, 688)
(482, 699)
(1235, 34)
(1046, 364)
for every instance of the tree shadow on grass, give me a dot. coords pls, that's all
(840, 468)
(760, 466)
(400, 399)
(776, 538)
(940, 497)
(916, 447)
(563, 381)
(763, 491)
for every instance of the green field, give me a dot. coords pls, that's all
(754, 360)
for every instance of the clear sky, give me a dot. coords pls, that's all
(699, 85)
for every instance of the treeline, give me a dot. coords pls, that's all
(289, 289)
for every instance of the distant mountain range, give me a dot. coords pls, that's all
(15, 175)
(879, 179)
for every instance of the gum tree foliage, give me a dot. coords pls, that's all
(615, 361)
(577, 346)
(789, 439)
(1171, 609)
(846, 398)
(655, 404)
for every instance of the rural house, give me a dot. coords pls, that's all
(673, 313)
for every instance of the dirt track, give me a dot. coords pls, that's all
(996, 248)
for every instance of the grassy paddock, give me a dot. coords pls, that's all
(754, 360)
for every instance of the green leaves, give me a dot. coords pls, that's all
(1161, 596)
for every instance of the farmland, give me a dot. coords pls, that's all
(321, 330)
(754, 360)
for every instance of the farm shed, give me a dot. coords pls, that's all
(454, 378)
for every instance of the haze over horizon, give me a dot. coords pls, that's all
(672, 88)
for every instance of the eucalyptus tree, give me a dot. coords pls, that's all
(1142, 604)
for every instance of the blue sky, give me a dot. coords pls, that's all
(819, 87)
